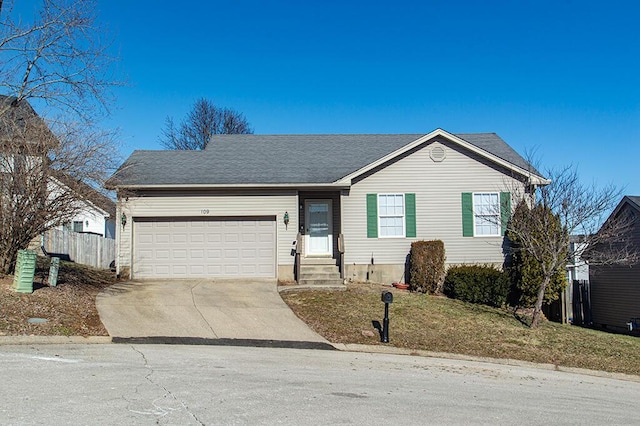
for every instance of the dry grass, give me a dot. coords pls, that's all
(69, 307)
(444, 325)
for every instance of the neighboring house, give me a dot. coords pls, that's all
(96, 213)
(25, 140)
(353, 202)
(577, 269)
(615, 289)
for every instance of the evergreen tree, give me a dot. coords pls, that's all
(526, 271)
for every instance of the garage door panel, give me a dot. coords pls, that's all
(196, 270)
(179, 270)
(248, 237)
(179, 254)
(214, 238)
(231, 270)
(180, 238)
(193, 248)
(163, 254)
(214, 254)
(160, 238)
(231, 237)
(214, 270)
(196, 254)
(196, 238)
(249, 254)
(265, 254)
(265, 238)
(231, 254)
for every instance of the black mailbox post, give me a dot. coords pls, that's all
(387, 297)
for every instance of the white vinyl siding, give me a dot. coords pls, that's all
(391, 215)
(486, 209)
(437, 187)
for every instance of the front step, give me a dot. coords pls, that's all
(319, 272)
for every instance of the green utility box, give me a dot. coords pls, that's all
(25, 271)
(53, 271)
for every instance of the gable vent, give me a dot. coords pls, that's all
(438, 154)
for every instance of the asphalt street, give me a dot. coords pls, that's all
(192, 385)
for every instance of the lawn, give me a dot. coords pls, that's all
(69, 308)
(440, 324)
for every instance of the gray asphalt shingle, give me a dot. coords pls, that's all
(279, 159)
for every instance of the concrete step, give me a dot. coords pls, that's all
(321, 282)
(319, 268)
(319, 271)
(317, 261)
(319, 276)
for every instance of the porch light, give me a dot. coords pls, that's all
(286, 219)
(123, 219)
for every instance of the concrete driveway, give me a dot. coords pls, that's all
(205, 309)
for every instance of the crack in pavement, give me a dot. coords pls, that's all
(193, 299)
(159, 410)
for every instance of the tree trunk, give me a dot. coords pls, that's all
(537, 311)
(7, 264)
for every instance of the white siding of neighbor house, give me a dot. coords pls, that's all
(92, 221)
(438, 187)
(181, 204)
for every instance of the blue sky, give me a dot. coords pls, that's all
(558, 78)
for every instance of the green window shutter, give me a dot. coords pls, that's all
(372, 215)
(467, 214)
(410, 215)
(505, 210)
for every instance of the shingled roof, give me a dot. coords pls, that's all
(635, 200)
(20, 124)
(281, 159)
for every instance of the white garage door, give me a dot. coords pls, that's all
(196, 248)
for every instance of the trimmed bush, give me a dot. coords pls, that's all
(481, 284)
(426, 266)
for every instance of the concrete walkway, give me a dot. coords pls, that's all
(205, 309)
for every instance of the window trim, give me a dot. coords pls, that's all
(498, 215)
(403, 217)
(75, 223)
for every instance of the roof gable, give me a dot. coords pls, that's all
(87, 194)
(628, 200)
(487, 145)
(21, 127)
(268, 160)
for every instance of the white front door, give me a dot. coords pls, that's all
(318, 228)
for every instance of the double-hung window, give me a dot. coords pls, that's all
(391, 215)
(486, 214)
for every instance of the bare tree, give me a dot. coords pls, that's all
(61, 57)
(578, 209)
(49, 161)
(203, 121)
(46, 172)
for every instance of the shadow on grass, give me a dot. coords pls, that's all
(524, 319)
(376, 324)
(73, 274)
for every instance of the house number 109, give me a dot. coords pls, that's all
(204, 211)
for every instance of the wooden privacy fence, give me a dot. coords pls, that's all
(581, 303)
(86, 249)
